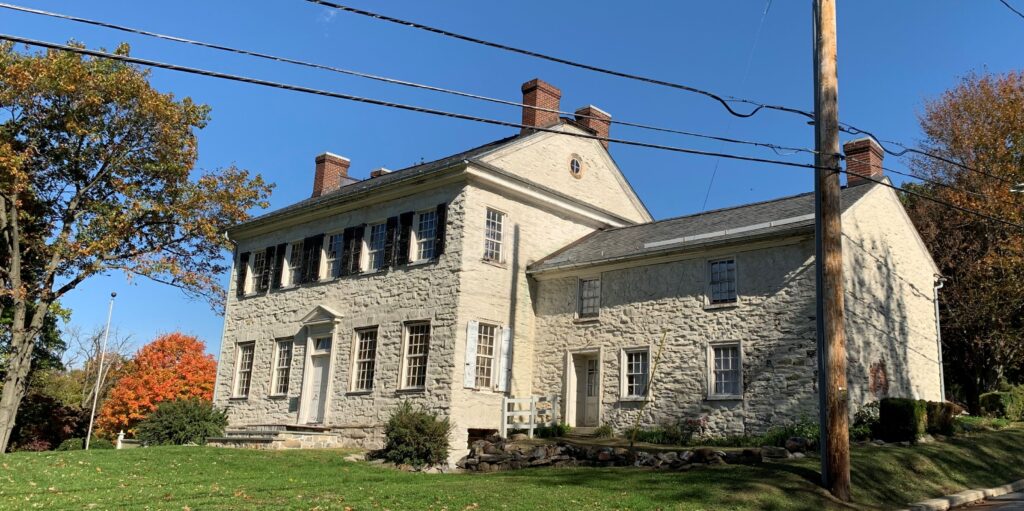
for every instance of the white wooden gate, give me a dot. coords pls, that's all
(528, 413)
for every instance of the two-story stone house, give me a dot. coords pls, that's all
(529, 266)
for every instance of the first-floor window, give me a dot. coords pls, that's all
(375, 246)
(282, 367)
(334, 255)
(365, 363)
(486, 340)
(636, 373)
(726, 371)
(295, 264)
(417, 345)
(243, 375)
(426, 232)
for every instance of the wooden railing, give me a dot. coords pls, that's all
(528, 413)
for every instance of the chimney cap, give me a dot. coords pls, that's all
(593, 109)
(537, 83)
(862, 144)
(327, 154)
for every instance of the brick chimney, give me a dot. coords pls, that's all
(594, 118)
(863, 158)
(541, 94)
(331, 170)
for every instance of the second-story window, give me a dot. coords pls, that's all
(259, 267)
(375, 246)
(334, 243)
(722, 281)
(588, 299)
(426, 233)
(493, 235)
(295, 264)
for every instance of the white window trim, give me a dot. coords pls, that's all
(326, 271)
(711, 396)
(579, 298)
(707, 282)
(286, 275)
(274, 380)
(623, 369)
(251, 288)
(414, 251)
(504, 239)
(495, 354)
(238, 369)
(354, 377)
(403, 365)
(364, 254)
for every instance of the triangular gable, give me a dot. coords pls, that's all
(320, 315)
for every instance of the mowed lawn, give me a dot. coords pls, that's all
(200, 478)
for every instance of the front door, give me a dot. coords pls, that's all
(318, 389)
(587, 373)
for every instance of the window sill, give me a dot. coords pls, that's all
(593, 320)
(717, 306)
(421, 262)
(635, 399)
(359, 392)
(412, 390)
(725, 398)
(277, 396)
(496, 264)
(238, 398)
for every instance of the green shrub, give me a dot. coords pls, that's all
(72, 444)
(416, 437)
(992, 404)
(604, 431)
(1007, 404)
(803, 428)
(557, 430)
(100, 443)
(970, 424)
(902, 419)
(941, 417)
(186, 421)
(865, 422)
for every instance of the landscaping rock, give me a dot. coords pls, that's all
(797, 444)
(775, 453)
(798, 455)
(519, 437)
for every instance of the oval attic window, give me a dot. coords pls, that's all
(576, 167)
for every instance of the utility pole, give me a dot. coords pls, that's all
(99, 370)
(832, 390)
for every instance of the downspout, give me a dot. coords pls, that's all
(939, 282)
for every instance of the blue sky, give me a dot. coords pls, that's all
(893, 56)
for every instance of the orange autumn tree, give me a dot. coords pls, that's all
(173, 366)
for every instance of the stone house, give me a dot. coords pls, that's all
(529, 267)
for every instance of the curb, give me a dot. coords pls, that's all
(966, 497)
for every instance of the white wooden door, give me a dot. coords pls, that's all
(586, 390)
(318, 389)
(590, 417)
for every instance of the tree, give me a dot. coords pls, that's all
(977, 124)
(96, 176)
(174, 366)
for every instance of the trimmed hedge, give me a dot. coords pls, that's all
(902, 420)
(416, 437)
(185, 421)
(1008, 404)
(942, 417)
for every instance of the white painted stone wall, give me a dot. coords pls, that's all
(387, 299)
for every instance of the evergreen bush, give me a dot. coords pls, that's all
(902, 419)
(185, 421)
(416, 437)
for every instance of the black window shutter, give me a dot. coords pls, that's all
(404, 238)
(269, 255)
(357, 248)
(311, 248)
(389, 241)
(442, 221)
(278, 266)
(346, 250)
(243, 268)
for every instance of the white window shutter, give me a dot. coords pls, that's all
(472, 334)
(505, 364)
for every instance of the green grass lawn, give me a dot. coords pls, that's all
(200, 478)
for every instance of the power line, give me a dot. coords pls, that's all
(1010, 7)
(723, 99)
(395, 81)
(442, 113)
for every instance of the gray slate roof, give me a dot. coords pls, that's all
(760, 219)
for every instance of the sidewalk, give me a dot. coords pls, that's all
(1009, 502)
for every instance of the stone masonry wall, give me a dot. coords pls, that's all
(386, 299)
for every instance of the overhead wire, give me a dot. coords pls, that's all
(774, 147)
(724, 100)
(1010, 7)
(442, 113)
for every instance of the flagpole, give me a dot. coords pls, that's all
(99, 372)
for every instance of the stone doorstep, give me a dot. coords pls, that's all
(240, 439)
(966, 497)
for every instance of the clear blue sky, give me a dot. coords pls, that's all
(893, 56)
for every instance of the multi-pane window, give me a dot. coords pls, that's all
(259, 273)
(243, 376)
(282, 367)
(486, 341)
(334, 254)
(417, 344)
(375, 246)
(365, 363)
(726, 374)
(493, 235)
(591, 377)
(636, 373)
(295, 264)
(589, 298)
(426, 231)
(722, 283)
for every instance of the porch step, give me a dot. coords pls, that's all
(581, 432)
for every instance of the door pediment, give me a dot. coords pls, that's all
(320, 315)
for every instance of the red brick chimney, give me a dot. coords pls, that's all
(331, 170)
(594, 118)
(863, 158)
(541, 94)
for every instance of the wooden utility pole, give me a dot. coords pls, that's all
(832, 390)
